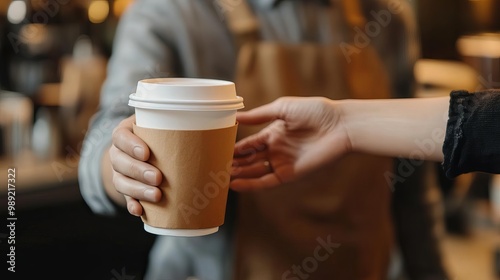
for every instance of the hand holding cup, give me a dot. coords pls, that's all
(133, 176)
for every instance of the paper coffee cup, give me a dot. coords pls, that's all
(190, 128)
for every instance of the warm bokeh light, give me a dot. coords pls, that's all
(482, 11)
(34, 34)
(16, 12)
(120, 6)
(3, 7)
(480, 45)
(98, 11)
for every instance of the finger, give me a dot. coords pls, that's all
(252, 145)
(249, 158)
(262, 114)
(254, 170)
(125, 140)
(249, 150)
(133, 206)
(135, 169)
(135, 189)
(266, 181)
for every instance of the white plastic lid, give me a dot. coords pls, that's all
(189, 94)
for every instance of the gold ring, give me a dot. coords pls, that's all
(268, 166)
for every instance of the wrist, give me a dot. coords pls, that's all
(345, 122)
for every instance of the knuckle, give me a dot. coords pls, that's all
(322, 100)
(117, 129)
(132, 169)
(121, 184)
(113, 133)
(112, 152)
(138, 193)
(117, 134)
(282, 100)
(137, 173)
(116, 180)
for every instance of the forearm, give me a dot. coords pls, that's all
(411, 128)
(90, 169)
(107, 179)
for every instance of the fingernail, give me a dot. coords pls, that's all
(150, 195)
(150, 176)
(138, 152)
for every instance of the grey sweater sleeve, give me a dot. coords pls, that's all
(141, 50)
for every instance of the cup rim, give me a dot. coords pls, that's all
(187, 105)
(198, 82)
(237, 99)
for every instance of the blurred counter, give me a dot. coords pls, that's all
(39, 183)
(31, 143)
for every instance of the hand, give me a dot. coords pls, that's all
(132, 175)
(305, 133)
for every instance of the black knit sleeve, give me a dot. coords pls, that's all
(472, 141)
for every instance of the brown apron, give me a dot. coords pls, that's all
(335, 223)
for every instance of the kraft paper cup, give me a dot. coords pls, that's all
(190, 128)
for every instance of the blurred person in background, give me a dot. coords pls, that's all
(268, 235)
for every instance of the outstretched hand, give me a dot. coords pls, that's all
(304, 134)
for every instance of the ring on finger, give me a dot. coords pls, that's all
(268, 166)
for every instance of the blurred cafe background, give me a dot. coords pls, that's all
(53, 57)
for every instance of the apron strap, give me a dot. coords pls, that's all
(243, 24)
(353, 13)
